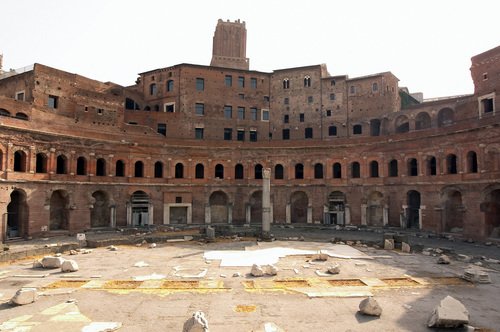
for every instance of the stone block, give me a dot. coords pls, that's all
(257, 271)
(389, 244)
(69, 265)
(51, 262)
(405, 247)
(272, 270)
(450, 313)
(334, 269)
(24, 296)
(370, 307)
(443, 259)
(197, 323)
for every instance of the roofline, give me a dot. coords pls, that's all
(373, 75)
(201, 66)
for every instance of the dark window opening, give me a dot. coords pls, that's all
(332, 96)
(41, 163)
(152, 89)
(393, 168)
(170, 85)
(240, 135)
(100, 169)
(228, 80)
(308, 132)
(139, 169)
(241, 113)
(158, 169)
(355, 170)
(375, 127)
(241, 82)
(170, 108)
(278, 172)
(200, 84)
(228, 134)
(332, 131)
(179, 171)
(199, 109)
(412, 167)
(258, 171)
(374, 169)
(487, 105)
(432, 166)
(253, 136)
(53, 101)
(318, 171)
(81, 166)
(337, 171)
(254, 114)
(357, 129)
(299, 171)
(286, 83)
(198, 133)
(286, 118)
(451, 164)
(253, 83)
(301, 117)
(238, 171)
(178, 199)
(61, 165)
(307, 81)
(286, 134)
(472, 162)
(199, 171)
(120, 168)
(162, 129)
(228, 112)
(219, 171)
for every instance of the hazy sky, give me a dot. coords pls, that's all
(427, 44)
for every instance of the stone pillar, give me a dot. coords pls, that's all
(347, 214)
(309, 214)
(129, 214)
(403, 216)
(151, 210)
(9, 158)
(385, 215)
(112, 216)
(52, 161)
(208, 217)
(230, 213)
(266, 202)
(288, 213)
(71, 163)
(31, 162)
(363, 214)
(248, 213)
(420, 216)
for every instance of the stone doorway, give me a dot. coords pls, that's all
(256, 207)
(218, 207)
(100, 215)
(17, 215)
(336, 208)
(299, 203)
(139, 203)
(413, 202)
(59, 211)
(178, 215)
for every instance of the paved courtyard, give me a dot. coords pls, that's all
(157, 289)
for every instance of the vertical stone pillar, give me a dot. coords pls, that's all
(385, 215)
(151, 210)
(230, 213)
(208, 217)
(309, 214)
(248, 214)
(71, 163)
(129, 214)
(112, 216)
(31, 167)
(266, 202)
(403, 219)
(288, 213)
(420, 216)
(363, 214)
(347, 214)
(9, 158)
(52, 161)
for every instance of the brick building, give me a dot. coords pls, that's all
(187, 145)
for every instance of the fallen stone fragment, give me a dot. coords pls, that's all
(370, 307)
(141, 264)
(112, 248)
(443, 259)
(69, 265)
(73, 252)
(405, 247)
(37, 264)
(334, 269)
(272, 270)
(438, 251)
(491, 260)
(463, 258)
(257, 271)
(86, 251)
(389, 244)
(450, 313)
(51, 262)
(271, 327)
(476, 276)
(102, 327)
(349, 243)
(24, 296)
(152, 245)
(197, 323)
(236, 275)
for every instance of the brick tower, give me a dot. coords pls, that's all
(229, 45)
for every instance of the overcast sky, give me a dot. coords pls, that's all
(427, 44)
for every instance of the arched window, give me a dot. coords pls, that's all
(120, 168)
(279, 172)
(374, 169)
(412, 167)
(81, 166)
(61, 164)
(445, 117)
(152, 89)
(219, 171)
(307, 81)
(402, 125)
(41, 163)
(355, 170)
(337, 171)
(393, 168)
(170, 85)
(238, 172)
(422, 121)
(451, 164)
(258, 171)
(472, 162)
(158, 169)
(179, 171)
(139, 169)
(199, 171)
(21, 116)
(431, 166)
(299, 171)
(318, 171)
(19, 161)
(286, 83)
(100, 169)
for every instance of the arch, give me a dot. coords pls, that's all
(491, 209)
(336, 208)
(472, 162)
(299, 203)
(120, 168)
(218, 202)
(4, 112)
(299, 171)
(374, 169)
(100, 169)
(100, 214)
(422, 121)
(61, 164)
(401, 124)
(258, 171)
(337, 171)
(279, 172)
(17, 215)
(41, 163)
(256, 207)
(413, 212)
(199, 171)
(219, 171)
(318, 171)
(412, 167)
(393, 168)
(158, 170)
(375, 126)
(140, 208)
(431, 165)
(453, 211)
(445, 117)
(21, 116)
(81, 166)
(355, 170)
(19, 161)
(238, 172)
(375, 209)
(179, 171)
(59, 210)
(139, 169)
(451, 164)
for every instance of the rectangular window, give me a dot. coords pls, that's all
(178, 199)
(200, 84)
(241, 113)
(265, 115)
(357, 129)
(286, 101)
(374, 87)
(332, 96)
(286, 134)
(352, 89)
(241, 81)
(253, 112)
(253, 83)
(332, 131)
(228, 134)
(266, 99)
(53, 101)
(240, 135)
(308, 133)
(169, 107)
(253, 136)
(162, 129)
(228, 112)
(198, 133)
(310, 99)
(20, 96)
(328, 112)
(199, 109)
(100, 111)
(286, 118)
(229, 80)
(487, 105)
(301, 117)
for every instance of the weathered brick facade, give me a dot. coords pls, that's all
(187, 144)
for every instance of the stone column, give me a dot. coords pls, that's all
(150, 214)
(71, 163)
(363, 214)
(31, 162)
(129, 214)
(266, 202)
(248, 214)
(52, 161)
(288, 213)
(230, 213)
(385, 215)
(420, 216)
(112, 216)
(208, 217)
(347, 214)
(404, 216)
(309, 214)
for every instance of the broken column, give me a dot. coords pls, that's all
(266, 203)
(450, 313)
(197, 323)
